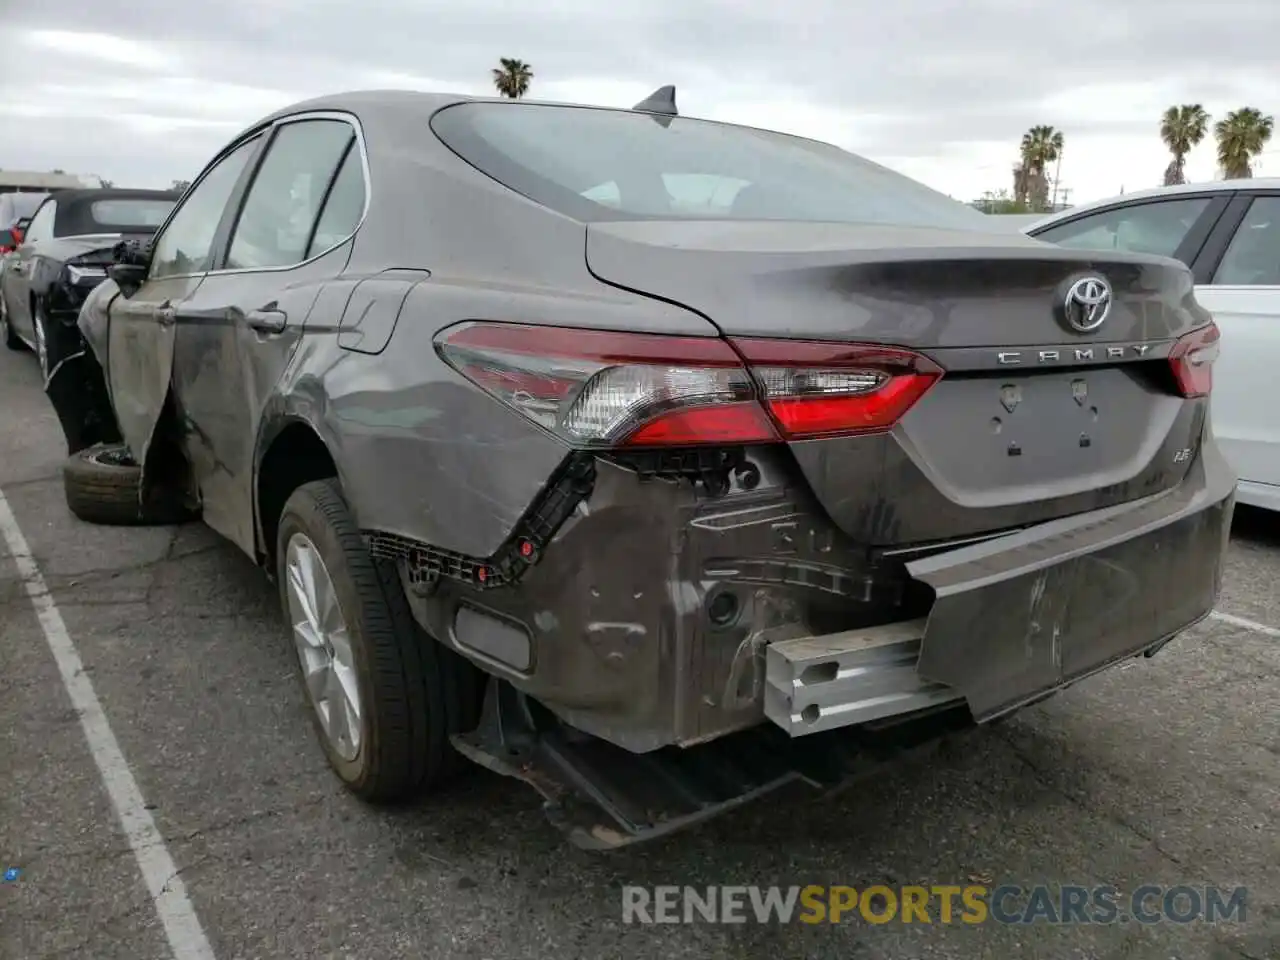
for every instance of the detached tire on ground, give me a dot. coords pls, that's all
(384, 696)
(102, 485)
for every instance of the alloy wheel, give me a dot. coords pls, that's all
(323, 645)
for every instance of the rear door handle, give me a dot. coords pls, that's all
(267, 321)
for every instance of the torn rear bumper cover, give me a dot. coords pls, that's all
(1023, 615)
(1020, 616)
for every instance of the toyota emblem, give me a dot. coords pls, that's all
(1087, 303)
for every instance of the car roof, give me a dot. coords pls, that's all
(1181, 189)
(376, 105)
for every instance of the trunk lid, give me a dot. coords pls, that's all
(1033, 418)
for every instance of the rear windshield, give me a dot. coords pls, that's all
(131, 214)
(595, 164)
(81, 216)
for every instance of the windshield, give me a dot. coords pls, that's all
(18, 206)
(595, 164)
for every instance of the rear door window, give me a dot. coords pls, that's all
(1158, 227)
(344, 206)
(1253, 258)
(282, 206)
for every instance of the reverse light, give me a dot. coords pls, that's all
(1192, 359)
(603, 389)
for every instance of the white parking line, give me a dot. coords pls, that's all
(1244, 624)
(168, 892)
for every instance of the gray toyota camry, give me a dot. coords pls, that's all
(654, 461)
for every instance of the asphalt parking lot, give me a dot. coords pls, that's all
(1164, 772)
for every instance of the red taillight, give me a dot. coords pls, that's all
(1192, 360)
(17, 235)
(602, 389)
(819, 388)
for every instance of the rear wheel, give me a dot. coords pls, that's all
(11, 338)
(103, 485)
(384, 695)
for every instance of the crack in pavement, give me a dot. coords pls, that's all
(66, 581)
(114, 853)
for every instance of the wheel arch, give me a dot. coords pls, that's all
(290, 451)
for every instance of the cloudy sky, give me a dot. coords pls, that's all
(143, 91)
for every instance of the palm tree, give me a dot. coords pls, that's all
(1241, 135)
(512, 78)
(1041, 145)
(1181, 128)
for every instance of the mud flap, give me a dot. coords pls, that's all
(1022, 615)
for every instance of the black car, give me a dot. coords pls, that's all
(62, 256)
(652, 460)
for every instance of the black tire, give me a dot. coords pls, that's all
(414, 691)
(11, 338)
(102, 485)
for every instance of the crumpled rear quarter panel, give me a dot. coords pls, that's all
(617, 608)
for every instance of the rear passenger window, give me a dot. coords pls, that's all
(344, 206)
(282, 205)
(1253, 259)
(1157, 227)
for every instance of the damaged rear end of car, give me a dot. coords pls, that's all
(887, 480)
(768, 558)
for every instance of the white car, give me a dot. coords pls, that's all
(1228, 233)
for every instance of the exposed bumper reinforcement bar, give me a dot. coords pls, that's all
(815, 684)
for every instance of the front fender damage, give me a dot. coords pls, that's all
(77, 385)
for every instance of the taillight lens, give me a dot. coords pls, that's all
(1192, 360)
(818, 388)
(603, 389)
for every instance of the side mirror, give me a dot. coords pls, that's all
(128, 277)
